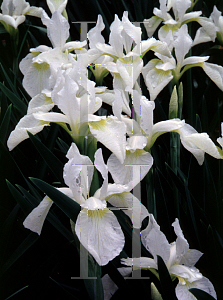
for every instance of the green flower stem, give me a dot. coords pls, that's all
(175, 111)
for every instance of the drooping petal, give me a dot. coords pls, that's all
(185, 274)
(41, 102)
(134, 168)
(34, 221)
(100, 233)
(208, 26)
(51, 117)
(19, 134)
(38, 73)
(191, 257)
(151, 25)
(201, 37)
(182, 291)
(131, 206)
(155, 79)
(163, 127)
(111, 133)
(185, 131)
(198, 143)
(215, 73)
(194, 60)
(156, 46)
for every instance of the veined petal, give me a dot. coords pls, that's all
(141, 262)
(185, 274)
(155, 241)
(182, 44)
(74, 45)
(215, 73)
(130, 71)
(78, 173)
(163, 127)
(34, 221)
(11, 20)
(111, 133)
(208, 26)
(93, 203)
(57, 29)
(134, 168)
(19, 134)
(156, 46)
(56, 5)
(191, 257)
(191, 16)
(182, 291)
(136, 142)
(94, 35)
(41, 102)
(188, 130)
(132, 31)
(103, 169)
(155, 79)
(181, 8)
(151, 25)
(201, 37)
(144, 110)
(34, 11)
(38, 73)
(200, 141)
(131, 206)
(100, 233)
(51, 117)
(115, 38)
(194, 60)
(182, 245)
(117, 103)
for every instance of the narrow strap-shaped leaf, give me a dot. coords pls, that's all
(201, 295)
(67, 205)
(5, 124)
(19, 104)
(22, 248)
(168, 292)
(51, 160)
(10, 83)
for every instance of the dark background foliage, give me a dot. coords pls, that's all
(33, 267)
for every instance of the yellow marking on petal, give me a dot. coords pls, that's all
(43, 66)
(98, 125)
(97, 213)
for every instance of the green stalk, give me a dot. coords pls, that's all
(175, 111)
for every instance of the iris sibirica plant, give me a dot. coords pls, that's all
(108, 116)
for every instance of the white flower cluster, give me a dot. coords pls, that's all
(58, 76)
